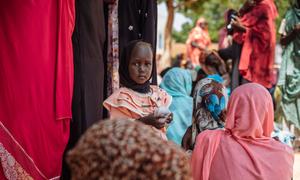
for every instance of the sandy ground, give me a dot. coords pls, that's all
(297, 167)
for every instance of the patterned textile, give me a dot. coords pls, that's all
(129, 104)
(122, 149)
(113, 50)
(210, 103)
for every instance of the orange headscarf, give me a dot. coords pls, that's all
(250, 150)
(199, 36)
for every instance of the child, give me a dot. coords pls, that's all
(137, 99)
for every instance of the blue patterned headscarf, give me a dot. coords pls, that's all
(178, 83)
(210, 102)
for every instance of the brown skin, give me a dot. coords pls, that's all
(155, 121)
(140, 71)
(140, 66)
(186, 142)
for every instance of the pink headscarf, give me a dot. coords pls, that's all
(250, 151)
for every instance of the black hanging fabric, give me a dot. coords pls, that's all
(88, 45)
(138, 20)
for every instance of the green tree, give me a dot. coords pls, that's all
(181, 36)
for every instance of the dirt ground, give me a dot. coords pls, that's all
(297, 167)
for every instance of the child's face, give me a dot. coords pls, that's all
(140, 66)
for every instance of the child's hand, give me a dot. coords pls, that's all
(162, 121)
(159, 119)
(152, 120)
(169, 118)
(163, 115)
(159, 123)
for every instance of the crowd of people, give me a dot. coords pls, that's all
(79, 97)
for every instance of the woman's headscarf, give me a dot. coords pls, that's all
(210, 103)
(177, 82)
(201, 38)
(249, 124)
(122, 149)
(125, 78)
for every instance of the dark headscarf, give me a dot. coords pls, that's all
(125, 78)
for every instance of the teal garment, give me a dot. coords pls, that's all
(177, 83)
(289, 79)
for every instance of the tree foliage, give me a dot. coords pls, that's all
(213, 11)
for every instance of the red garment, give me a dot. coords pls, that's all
(199, 36)
(258, 53)
(36, 82)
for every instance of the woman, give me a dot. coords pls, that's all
(253, 49)
(197, 42)
(122, 149)
(210, 102)
(246, 145)
(36, 84)
(178, 84)
(289, 79)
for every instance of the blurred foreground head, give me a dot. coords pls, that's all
(123, 149)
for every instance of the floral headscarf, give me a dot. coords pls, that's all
(122, 149)
(210, 103)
